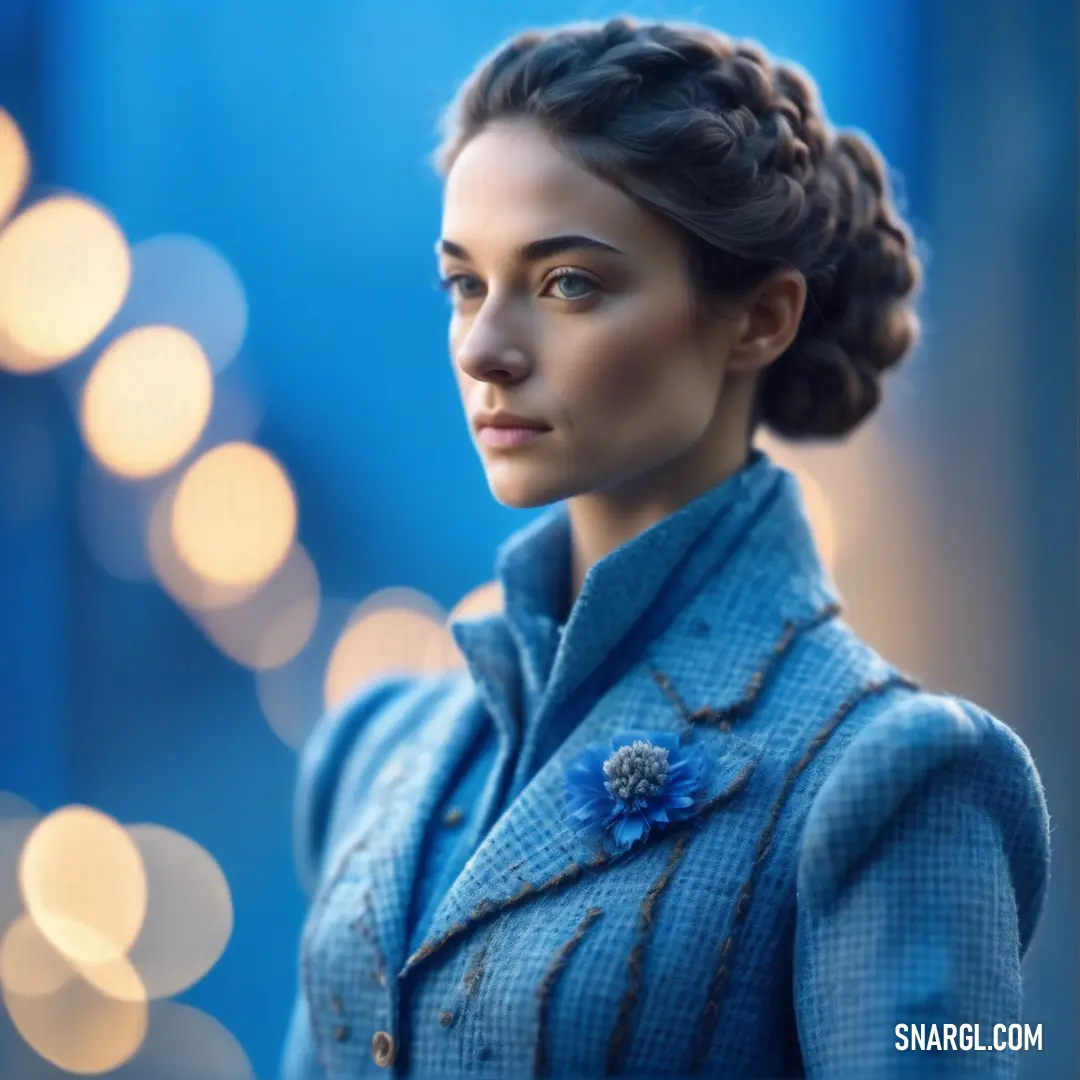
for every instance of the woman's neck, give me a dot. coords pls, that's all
(601, 521)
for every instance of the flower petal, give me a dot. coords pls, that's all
(591, 803)
(679, 802)
(666, 739)
(629, 829)
(627, 738)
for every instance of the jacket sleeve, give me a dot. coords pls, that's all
(322, 759)
(921, 876)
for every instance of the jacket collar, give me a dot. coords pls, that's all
(526, 664)
(739, 569)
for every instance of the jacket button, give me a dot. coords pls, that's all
(383, 1049)
(453, 817)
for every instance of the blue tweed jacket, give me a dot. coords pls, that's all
(863, 853)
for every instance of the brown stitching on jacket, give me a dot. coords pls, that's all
(476, 968)
(571, 873)
(319, 903)
(636, 963)
(742, 708)
(526, 888)
(364, 929)
(710, 1014)
(485, 907)
(669, 691)
(309, 993)
(547, 984)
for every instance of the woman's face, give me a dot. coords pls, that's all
(595, 344)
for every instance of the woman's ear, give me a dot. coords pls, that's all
(772, 313)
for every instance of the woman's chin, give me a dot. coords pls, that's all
(522, 492)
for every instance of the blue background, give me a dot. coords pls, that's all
(294, 139)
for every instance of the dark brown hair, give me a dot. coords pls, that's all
(734, 150)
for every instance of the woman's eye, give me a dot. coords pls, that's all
(573, 286)
(570, 285)
(459, 283)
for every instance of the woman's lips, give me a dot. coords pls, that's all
(507, 437)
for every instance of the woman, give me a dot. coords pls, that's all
(675, 817)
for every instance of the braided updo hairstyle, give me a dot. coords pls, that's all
(734, 150)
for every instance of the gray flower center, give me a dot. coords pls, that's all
(637, 770)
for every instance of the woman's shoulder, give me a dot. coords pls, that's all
(911, 764)
(364, 728)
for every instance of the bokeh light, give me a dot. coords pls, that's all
(146, 401)
(29, 965)
(185, 282)
(190, 591)
(394, 631)
(484, 600)
(234, 515)
(183, 1041)
(14, 164)
(271, 626)
(187, 926)
(64, 271)
(806, 465)
(190, 919)
(77, 1028)
(291, 696)
(117, 978)
(84, 884)
(820, 514)
(442, 653)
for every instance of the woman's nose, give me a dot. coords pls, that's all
(492, 362)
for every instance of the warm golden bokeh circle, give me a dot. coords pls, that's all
(291, 697)
(146, 401)
(117, 978)
(819, 512)
(184, 281)
(816, 502)
(270, 627)
(65, 268)
(79, 1029)
(14, 164)
(174, 575)
(234, 515)
(29, 965)
(485, 599)
(84, 884)
(394, 630)
(441, 651)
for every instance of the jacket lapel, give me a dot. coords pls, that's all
(533, 847)
(414, 779)
(761, 592)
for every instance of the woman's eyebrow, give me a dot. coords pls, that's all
(535, 249)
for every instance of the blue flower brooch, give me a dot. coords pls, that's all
(644, 779)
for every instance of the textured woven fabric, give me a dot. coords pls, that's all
(453, 834)
(534, 569)
(865, 854)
